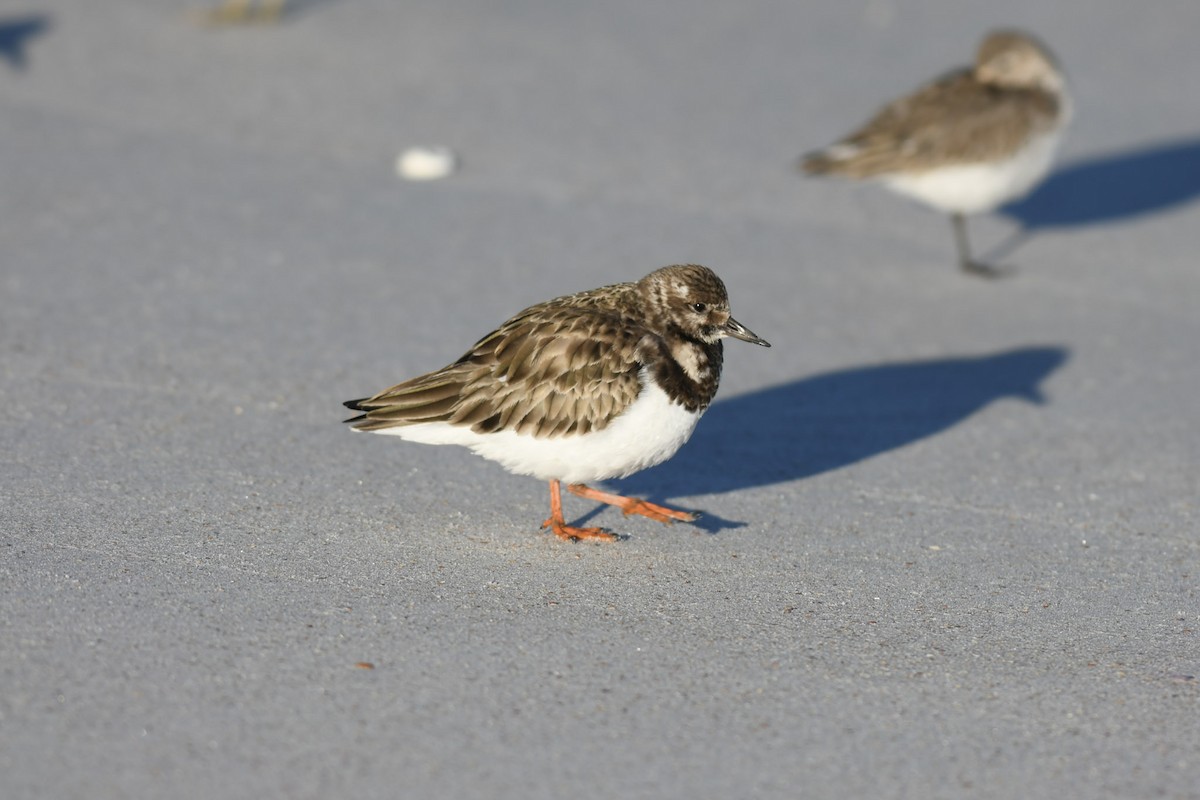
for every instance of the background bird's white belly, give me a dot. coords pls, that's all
(649, 432)
(972, 188)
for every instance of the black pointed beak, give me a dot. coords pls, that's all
(739, 331)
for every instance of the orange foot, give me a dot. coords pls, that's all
(632, 505)
(562, 530)
(574, 534)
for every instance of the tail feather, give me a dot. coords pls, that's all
(828, 160)
(355, 405)
(429, 398)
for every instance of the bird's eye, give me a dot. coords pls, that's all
(699, 308)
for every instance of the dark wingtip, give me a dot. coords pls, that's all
(814, 163)
(355, 405)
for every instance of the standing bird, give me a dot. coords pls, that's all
(968, 142)
(583, 388)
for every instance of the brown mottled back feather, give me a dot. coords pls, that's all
(967, 116)
(953, 120)
(561, 367)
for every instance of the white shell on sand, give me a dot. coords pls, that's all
(426, 163)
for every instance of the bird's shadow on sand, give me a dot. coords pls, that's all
(1108, 188)
(16, 32)
(824, 422)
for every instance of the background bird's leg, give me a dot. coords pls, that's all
(632, 505)
(959, 223)
(968, 264)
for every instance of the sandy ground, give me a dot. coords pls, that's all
(950, 542)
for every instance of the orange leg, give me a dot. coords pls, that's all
(632, 505)
(562, 530)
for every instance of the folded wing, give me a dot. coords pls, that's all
(543, 374)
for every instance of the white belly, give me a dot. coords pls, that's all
(972, 188)
(649, 432)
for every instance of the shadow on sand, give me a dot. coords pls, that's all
(15, 34)
(828, 421)
(1108, 189)
(1113, 187)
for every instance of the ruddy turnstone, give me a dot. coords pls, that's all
(968, 142)
(586, 387)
